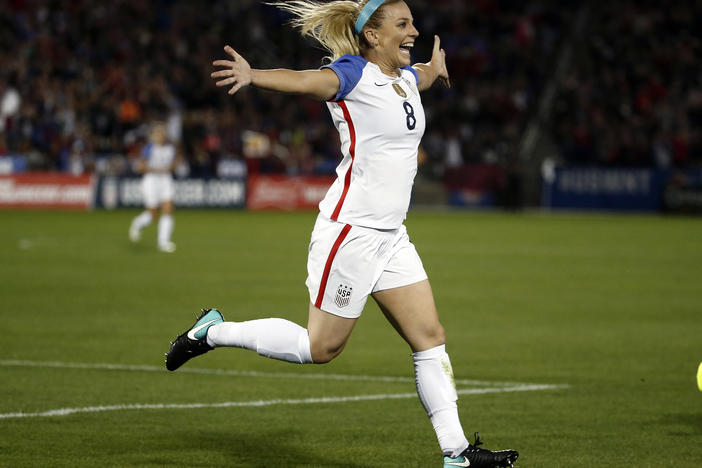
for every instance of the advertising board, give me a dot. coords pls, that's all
(46, 190)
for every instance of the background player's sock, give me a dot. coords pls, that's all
(141, 221)
(165, 229)
(437, 391)
(272, 337)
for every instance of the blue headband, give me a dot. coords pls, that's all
(366, 13)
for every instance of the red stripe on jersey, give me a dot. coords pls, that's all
(327, 267)
(352, 152)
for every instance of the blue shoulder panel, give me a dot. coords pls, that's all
(414, 72)
(349, 69)
(146, 150)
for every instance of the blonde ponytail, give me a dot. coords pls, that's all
(332, 24)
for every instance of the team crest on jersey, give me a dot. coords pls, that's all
(343, 295)
(398, 89)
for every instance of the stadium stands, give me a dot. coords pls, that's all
(634, 94)
(80, 82)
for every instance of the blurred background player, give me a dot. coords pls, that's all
(157, 161)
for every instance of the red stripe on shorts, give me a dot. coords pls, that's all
(327, 267)
(352, 152)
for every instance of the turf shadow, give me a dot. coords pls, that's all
(266, 450)
(692, 420)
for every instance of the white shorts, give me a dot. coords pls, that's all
(347, 263)
(157, 189)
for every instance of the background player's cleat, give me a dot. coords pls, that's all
(134, 233)
(194, 341)
(480, 458)
(168, 247)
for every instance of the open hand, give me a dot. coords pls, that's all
(438, 62)
(236, 72)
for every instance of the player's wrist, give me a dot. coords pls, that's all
(254, 78)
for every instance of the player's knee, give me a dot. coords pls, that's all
(436, 335)
(427, 338)
(440, 334)
(322, 358)
(323, 353)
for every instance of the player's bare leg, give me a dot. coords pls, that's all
(328, 334)
(412, 311)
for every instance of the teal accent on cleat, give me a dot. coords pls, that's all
(481, 458)
(206, 320)
(453, 462)
(192, 342)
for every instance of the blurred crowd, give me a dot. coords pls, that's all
(633, 96)
(81, 82)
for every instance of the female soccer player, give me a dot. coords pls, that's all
(158, 160)
(359, 245)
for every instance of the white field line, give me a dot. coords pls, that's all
(257, 403)
(487, 387)
(237, 373)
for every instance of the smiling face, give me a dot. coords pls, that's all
(393, 40)
(158, 134)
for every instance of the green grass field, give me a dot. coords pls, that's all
(609, 306)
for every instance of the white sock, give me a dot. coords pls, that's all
(437, 391)
(272, 337)
(165, 228)
(143, 220)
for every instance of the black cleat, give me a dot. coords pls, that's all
(481, 458)
(193, 342)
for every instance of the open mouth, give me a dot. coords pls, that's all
(406, 47)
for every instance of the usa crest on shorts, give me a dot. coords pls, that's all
(343, 295)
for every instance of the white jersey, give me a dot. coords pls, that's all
(159, 158)
(381, 121)
(157, 183)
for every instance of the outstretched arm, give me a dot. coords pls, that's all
(436, 68)
(318, 84)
